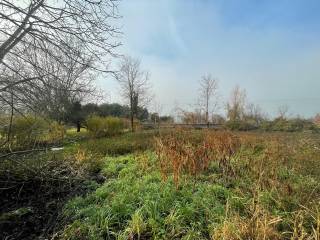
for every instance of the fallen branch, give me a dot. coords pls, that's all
(22, 152)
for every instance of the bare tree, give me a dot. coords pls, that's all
(57, 85)
(41, 63)
(134, 84)
(190, 117)
(208, 95)
(236, 104)
(316, 119)
(62, 85)
(157, 108)
(283, 111)
(33, 23)
(34, 28)
(45, 27)
(255, 113)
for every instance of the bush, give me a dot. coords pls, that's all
(291, 125)
(104, 126)
(56, 133)
(241, 125)
(27, 131)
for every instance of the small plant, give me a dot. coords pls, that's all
(87, 162)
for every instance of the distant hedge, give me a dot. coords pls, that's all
(278, 124)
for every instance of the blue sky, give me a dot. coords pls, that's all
(269, 47)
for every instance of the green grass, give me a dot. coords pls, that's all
(133, 203)
(116, 145)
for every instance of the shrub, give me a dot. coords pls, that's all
(56, 133)
(291, 125)
(28, 131)
(241, 125)
(114, 125)
(104, 126)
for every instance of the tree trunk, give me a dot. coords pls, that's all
(78, 126)
(132, 127)
(207, 119)
(131, 112)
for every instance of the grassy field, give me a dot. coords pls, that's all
(172, 184)
(250, 186)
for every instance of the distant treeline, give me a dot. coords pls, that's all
(114, 110)
(78, 112)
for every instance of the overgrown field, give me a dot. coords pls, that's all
(202, 185)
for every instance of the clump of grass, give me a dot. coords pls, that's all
(120, 145)
(179, 154)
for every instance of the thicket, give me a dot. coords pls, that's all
(35, 186)
(104, 126)
(28, 131)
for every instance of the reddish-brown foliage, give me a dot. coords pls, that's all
(183, 153)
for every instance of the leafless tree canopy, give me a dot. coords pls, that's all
(134, 84)
(236, 105)
(208, 95)
(50, 51)
(255, 113)
(64, 31)
(283, 111)
(37, 23)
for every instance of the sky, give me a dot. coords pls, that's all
(271, 48)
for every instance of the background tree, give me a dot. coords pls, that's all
(236, 104)
(135, 86)
(283, 112)
(114, 109)
(254, 113)
(90, 109)
(218, 119)
(166, 119)
(316, 119)
(156, 116)
(208, 95)
(76, 115)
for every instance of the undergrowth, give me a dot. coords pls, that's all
(34, 187)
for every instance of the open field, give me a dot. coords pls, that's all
(188, 184)
(179, 184)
